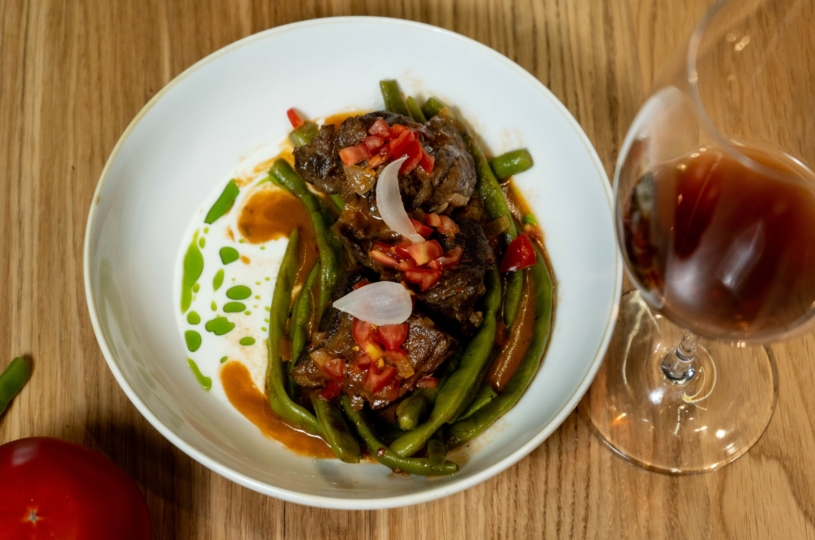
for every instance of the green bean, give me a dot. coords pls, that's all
(283, 175)
(415, 407)
(529, 219)
(470, 427)
(458, 388)
(415, 111)
(381, 453)
(12, 381)
(224, 202)
(511, 163)
(484, 396)
(281, 301)
(300, 319)
(496, 205)
(337, 200)
(335, 431)
(436, 451)
(304, 134)
(393, 97)
(432, 107)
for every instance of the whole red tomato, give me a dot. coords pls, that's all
(56, 489)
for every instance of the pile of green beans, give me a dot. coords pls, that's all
(461, 407)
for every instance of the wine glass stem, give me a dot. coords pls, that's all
(679, 364)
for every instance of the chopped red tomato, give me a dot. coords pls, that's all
(398, 145)
(447, 226)
(406, 264)
(423, 277)
(351, 155)
(414, 153)
(427, 382)
(376, 161)
(380, 129)
(396, 129)
(520, 254)
(362, 362)
(372, 142)
(377, 377)
(426, 251)
(390, 392)
(383, 258)
(294, 118)
(435, 264)
(392, 335)
(400, 359)
(401, 248)
(334, 368)
(331, 390)
(421, 228)
(427, 162)
(434, 220)
(361, 283)
(451, 258)
(363, 332)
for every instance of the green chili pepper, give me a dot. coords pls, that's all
(12, 381)
(511, 163)
(470, 427)
(281, 301)
(283, 175)
(414, 408)
(335, 431)
(415, 111)
(224, 203)
(304, 134)
(484, 396)
(300, 319)
(381, 453)
(453, 396)
(393, 97)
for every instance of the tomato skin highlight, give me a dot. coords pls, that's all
(392, 335)
(423, 277)
(520, 254)
(70, 491)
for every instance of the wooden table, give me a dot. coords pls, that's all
(73, 73)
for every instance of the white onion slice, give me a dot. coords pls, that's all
(379, 303)
(389, 201)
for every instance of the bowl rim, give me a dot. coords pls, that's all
(301, 497)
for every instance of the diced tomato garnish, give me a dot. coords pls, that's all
(390, 392)
(447, 226)
(294, 118)
(400, 359)
(401, 248)
(392, 335)
(426, 251)
(383, 258)
(398, 145)
(451, 258)
(421, 228)
(378, 378)
(331, 390)
(435, 264)
(423, 277)
(334, 368)
(520, 254)
(361, 283)
(398, 128)
(373, 350)
(427, 382)
(414, 153)
(372, 142)
(351, 155)
(406, 264)
(362, 362)
(380, 129)
(427, 162)
(434, 220)
(363, 332)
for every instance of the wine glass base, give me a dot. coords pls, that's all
(699, 426)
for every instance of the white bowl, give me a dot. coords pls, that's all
(196, 129)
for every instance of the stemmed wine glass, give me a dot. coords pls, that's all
(715, 217)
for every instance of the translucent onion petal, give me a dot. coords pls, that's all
(379, 303)
(389, 201)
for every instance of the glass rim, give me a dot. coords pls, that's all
(725, 142)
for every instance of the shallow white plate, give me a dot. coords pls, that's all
(196, 130)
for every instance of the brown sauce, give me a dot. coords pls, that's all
(271, 213)
(252, 403)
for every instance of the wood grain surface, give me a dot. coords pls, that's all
(73, 73)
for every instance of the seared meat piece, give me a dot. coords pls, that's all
(426, 347)
(452, 299)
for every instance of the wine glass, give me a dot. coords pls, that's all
(715, 217)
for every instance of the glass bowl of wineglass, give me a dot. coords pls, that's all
(715, 217)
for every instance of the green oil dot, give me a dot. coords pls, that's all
(262, 328)
(206, 230)
(205, 382)
(202, 242)
(234, 307)
(257, 283)
(229, 255)
(224, 202)
(193, 318)
(262, 248)
(218, 280)
(224, 359)
(247, 312)
(247, 341)
(193, 268)
(265, 320)
(241, 241)
(219, 326)
(239, 292)
(214, 306)
(267, 309)
(257, 296)
(193, 340)
(268, 279)
(196, 287)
